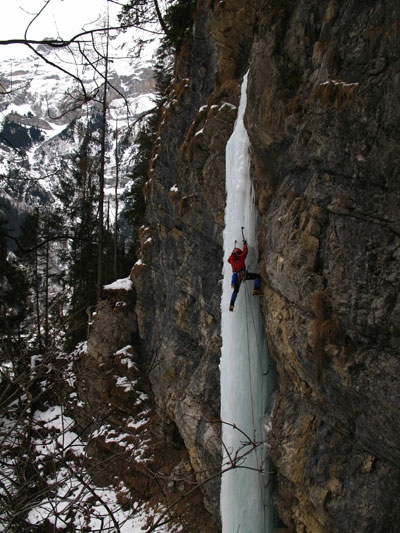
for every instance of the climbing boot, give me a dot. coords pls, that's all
(231, 308)
(257, 292)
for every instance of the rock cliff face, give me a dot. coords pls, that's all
(323, 120)
(178, 278)
(132, 447)
(324, 126)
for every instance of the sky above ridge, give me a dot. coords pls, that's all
(62, 18)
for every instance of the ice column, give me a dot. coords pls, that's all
(244, 361)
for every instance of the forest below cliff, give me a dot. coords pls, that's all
(76, 146)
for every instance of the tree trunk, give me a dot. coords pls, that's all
(116, 202)
(101, 179)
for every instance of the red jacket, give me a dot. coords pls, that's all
(237, 260)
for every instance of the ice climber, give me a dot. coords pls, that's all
(237, 262)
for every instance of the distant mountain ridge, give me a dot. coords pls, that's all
(38, 109)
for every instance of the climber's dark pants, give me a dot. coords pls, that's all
(238, 277)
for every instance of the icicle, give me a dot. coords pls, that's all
(244, 361)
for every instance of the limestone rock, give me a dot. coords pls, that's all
(321, 126)
(179, 290)
(131, 445)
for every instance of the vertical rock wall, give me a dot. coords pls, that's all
(178, 277)
(324, 120)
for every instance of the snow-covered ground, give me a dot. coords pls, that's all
(65, 493)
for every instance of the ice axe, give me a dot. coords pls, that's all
(242, 228)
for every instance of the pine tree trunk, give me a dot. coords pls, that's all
(116, 202)
(101, 184)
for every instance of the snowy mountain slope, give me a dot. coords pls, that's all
(40, 127)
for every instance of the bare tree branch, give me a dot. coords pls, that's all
(35, 17)
(63, 43)
(59, 67)
(61, 237)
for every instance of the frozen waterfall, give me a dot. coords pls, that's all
(246, 380)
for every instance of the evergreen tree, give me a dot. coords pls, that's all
(13, 291)
(39, 248)
(78, 193)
